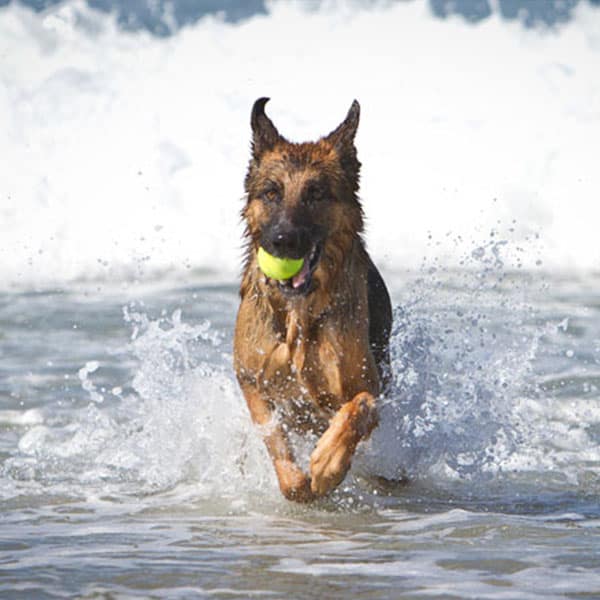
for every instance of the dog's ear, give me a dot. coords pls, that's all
(342, 137)
(264, 133)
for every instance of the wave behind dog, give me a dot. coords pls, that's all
(126, 152)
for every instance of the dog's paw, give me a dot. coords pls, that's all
(333, 453)
(293, 482)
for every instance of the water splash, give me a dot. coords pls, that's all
(184, 423)
(468, 404)
(477, 399)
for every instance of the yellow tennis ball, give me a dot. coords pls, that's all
(278, 268)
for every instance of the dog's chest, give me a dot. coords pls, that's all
(316, 366)
(299, 386)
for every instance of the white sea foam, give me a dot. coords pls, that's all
(124, 154)
(17, 417)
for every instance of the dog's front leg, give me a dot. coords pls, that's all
(333, 453)
(293, 482)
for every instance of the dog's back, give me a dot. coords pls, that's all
(380, 322)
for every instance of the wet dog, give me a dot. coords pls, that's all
(311, 351)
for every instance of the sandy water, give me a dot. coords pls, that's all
(129, 466)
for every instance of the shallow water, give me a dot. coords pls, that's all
(130, 466)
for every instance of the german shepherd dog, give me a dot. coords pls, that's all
(310, 352)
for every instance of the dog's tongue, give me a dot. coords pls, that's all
(300, 279)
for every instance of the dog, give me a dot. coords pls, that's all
(311, 353)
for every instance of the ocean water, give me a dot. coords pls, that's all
(128, 463)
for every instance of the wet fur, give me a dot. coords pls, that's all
(311, 362)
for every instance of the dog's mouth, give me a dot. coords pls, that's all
(301, 283)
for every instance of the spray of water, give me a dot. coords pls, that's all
(468, 405)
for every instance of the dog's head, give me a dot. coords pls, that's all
(302, 199)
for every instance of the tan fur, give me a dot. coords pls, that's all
(305, 363)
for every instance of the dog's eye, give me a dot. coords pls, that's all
(271, 195)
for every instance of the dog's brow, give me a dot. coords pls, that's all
(297, 162)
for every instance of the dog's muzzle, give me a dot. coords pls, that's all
(287, 241)
(301, 284)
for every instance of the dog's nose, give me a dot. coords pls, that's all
(284, 241)
(289, 242)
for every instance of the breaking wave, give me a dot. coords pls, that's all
(126, 152)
